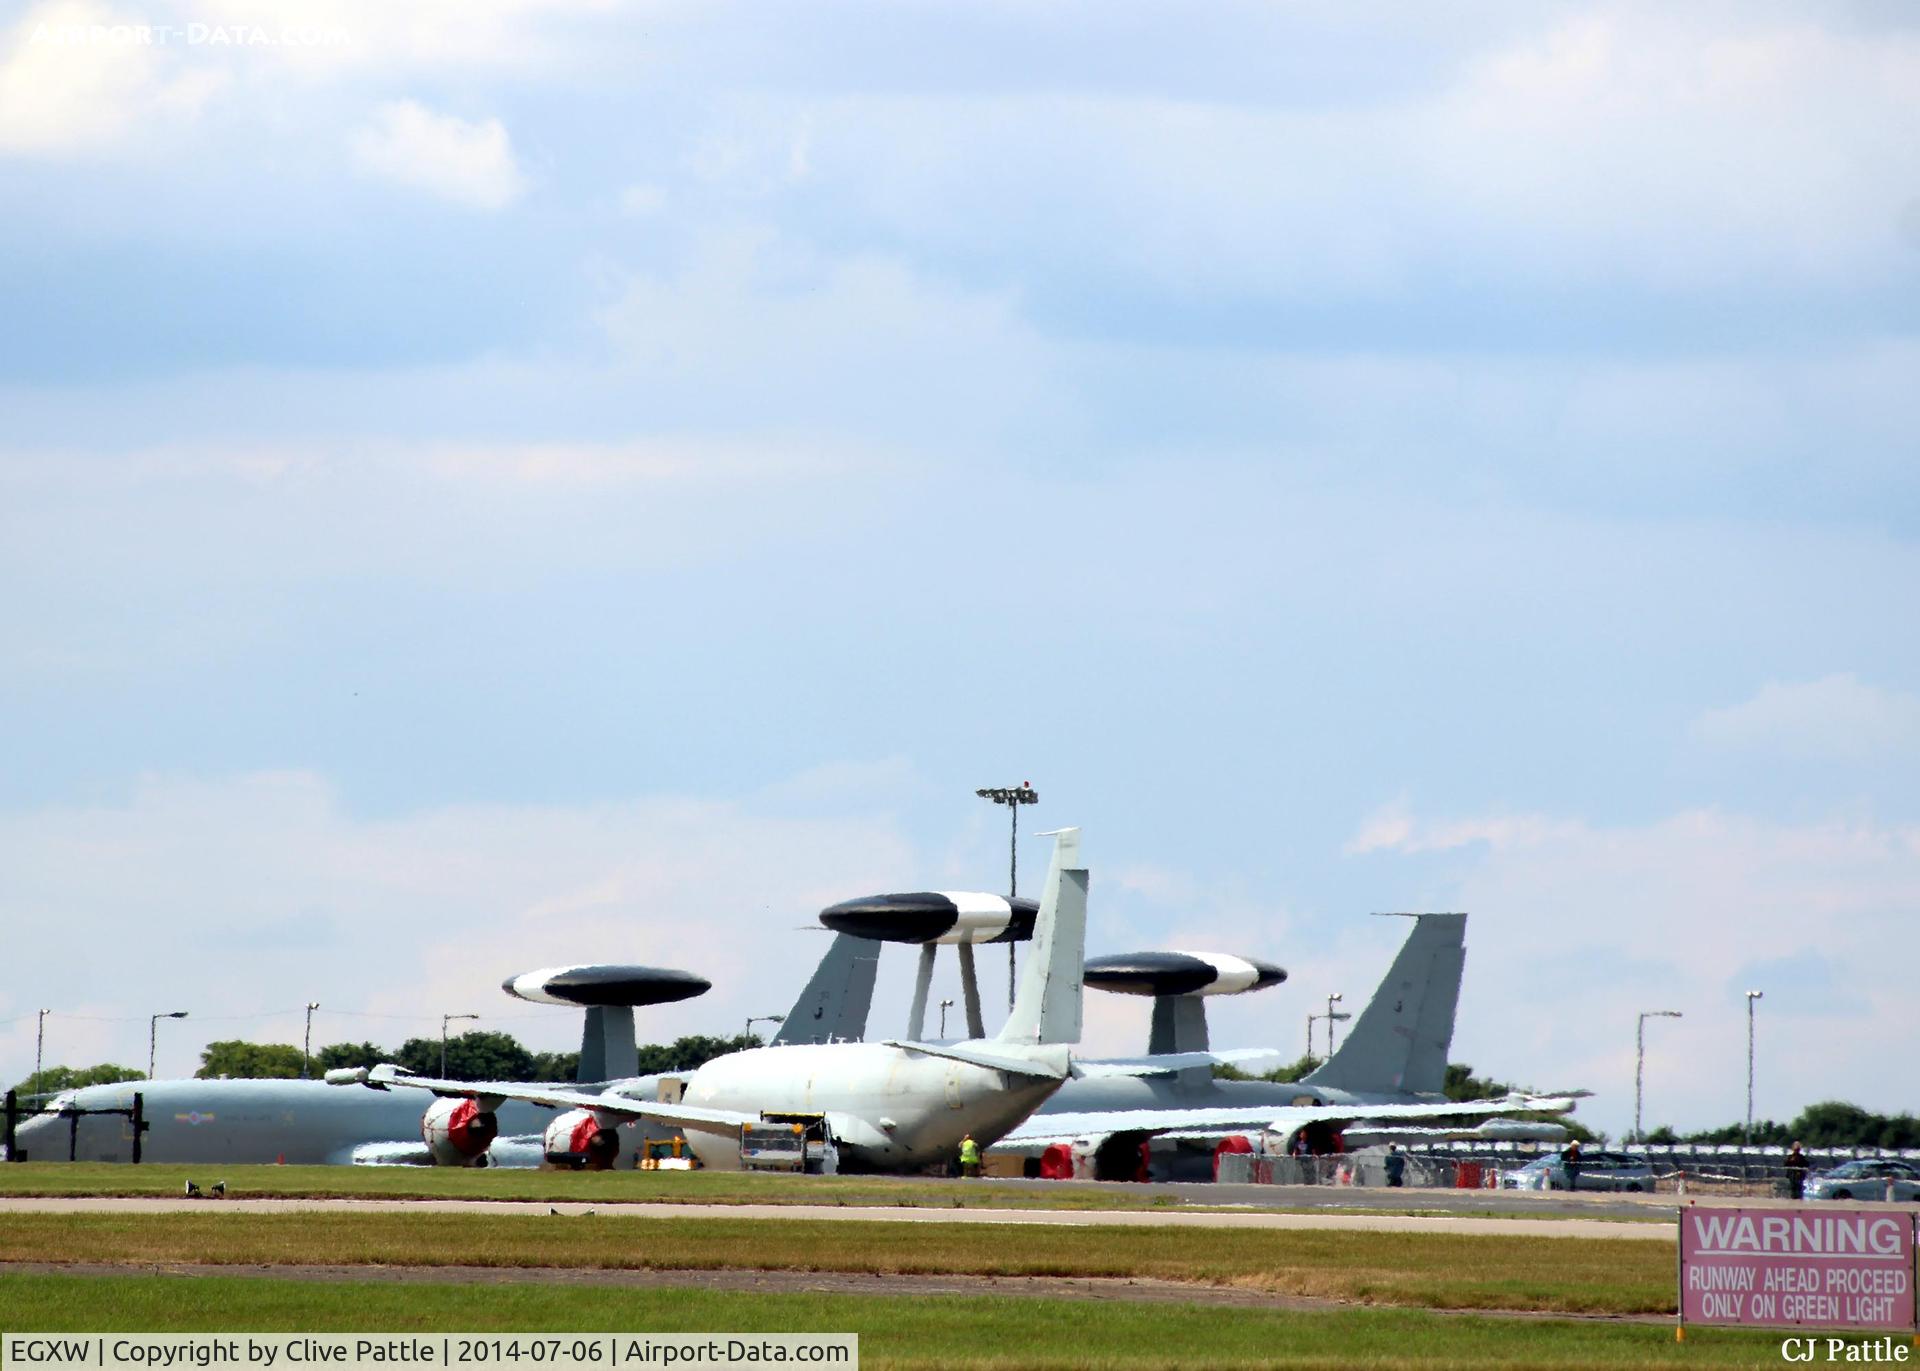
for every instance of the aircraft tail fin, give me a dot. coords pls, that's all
(1400, 1040)
(607, 1052)
(834, 1005)
(1047, 1007)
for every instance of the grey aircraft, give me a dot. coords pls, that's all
(1390, 1071)
(310, 1122)
(885, 1106)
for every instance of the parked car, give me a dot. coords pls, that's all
(1598, 1171)
(1866, 1179)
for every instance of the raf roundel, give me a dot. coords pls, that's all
(591, 987)
(935, 916)
(1181, 973)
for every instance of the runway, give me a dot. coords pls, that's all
(1227, 1218)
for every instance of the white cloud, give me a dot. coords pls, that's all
(470, 164)
(762, 325)
(76, 77)
(251, 895)
(1576, 928)
(1834, 719)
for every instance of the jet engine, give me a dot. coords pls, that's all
(578, 1139)
(458, 1132)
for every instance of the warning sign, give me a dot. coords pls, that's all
(1810, 1268)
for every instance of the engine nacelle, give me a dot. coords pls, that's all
(458, 1132)
(578, 1140)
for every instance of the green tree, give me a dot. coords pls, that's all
(249, 1061)
(336, 1055)
(475, 1056)
(1462, 1084)
(1830, 1123)
(684, 1054)
(56, 1078)
(556, 1066)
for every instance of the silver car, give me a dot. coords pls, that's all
(1866, 1179)
(1598, 1171)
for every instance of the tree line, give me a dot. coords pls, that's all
(1831, 1123)
(475, 1056)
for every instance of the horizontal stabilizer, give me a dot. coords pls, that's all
(1044, 1065)
(1169, 1063)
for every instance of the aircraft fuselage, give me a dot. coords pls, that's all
(890, 1108)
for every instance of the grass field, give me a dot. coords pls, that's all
(947, 1331)
(633, 1187)
(1436, 1271)
(58, 1179)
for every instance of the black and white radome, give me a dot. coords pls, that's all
(605, 986)
(935, 916)
(1181, 973)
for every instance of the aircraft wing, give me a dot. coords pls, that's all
(1042, 1129)
(490, 1094)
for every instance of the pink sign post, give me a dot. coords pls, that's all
(1807, 1267)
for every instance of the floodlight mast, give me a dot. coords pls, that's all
(445, 1019)
(1746, 1139)
(762, 1018)
(153, 1028)
(1640, 1061)
(1012, 796)
(306, 1050)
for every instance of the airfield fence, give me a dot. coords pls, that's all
(1705, 1169)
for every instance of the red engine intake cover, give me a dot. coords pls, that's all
(458, 1131)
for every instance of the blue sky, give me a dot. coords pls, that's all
(538, 480)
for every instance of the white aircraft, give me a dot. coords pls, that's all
(886, 1106)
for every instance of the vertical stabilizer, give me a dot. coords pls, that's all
(1047, 1009)
(833, 1007)
(1399, 1043)
(607, 1052)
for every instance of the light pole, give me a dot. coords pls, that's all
(153, 1029)
(1640, 1061)
(1332, 1000)
(1313, 1019)
(945, 1005)
(763, 1018)
(1746, 1139)
(1012, 796)
(39, 1047)
(446, 1019)
(306, 1051)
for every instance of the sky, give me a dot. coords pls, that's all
(499, 484)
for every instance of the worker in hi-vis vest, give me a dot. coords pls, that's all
(969, 1156)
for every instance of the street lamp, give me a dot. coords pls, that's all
(1012, 796)
(306, 1051)
(945, 1005)
(1640, 1060)
(1332, 1000)
(1313, 1019)
(39, 1047)
(763, 1018)
(1746, 1139)
(153, 1028)
(446, 1019)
